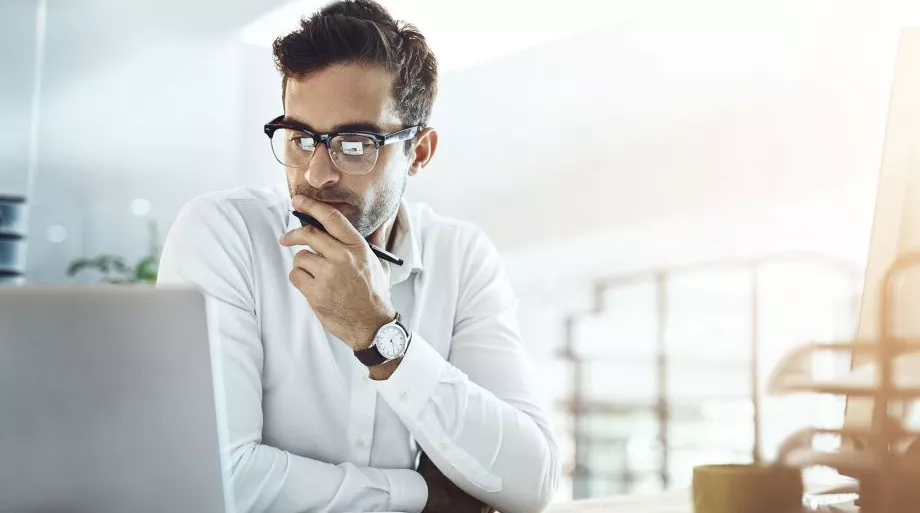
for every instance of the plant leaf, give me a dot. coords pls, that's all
(146, 270)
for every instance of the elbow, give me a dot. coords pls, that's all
(548, 485)
(240, 458)
(536, 499)
(242, 463)
(540, 490)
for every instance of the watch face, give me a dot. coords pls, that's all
(391, 342)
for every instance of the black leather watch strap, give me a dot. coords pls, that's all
(371, 356)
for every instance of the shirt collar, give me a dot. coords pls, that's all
(405, 243)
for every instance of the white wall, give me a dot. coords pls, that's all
(159, 122)
(17, 53)
(261, 103)
(712, 106)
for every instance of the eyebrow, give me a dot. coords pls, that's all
(353, 126)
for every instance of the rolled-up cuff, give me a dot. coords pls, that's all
(408, 491)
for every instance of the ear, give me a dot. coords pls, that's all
(424, 150)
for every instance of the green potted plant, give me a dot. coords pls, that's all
(115, 269)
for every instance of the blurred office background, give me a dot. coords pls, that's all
(677, 186)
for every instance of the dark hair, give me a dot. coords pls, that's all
(362, 31)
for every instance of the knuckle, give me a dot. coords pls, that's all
(305, 232)
(336, 255)
(360, 251)
(328, 216)
(335, 216)
(354, 258)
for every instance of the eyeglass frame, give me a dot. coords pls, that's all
(379, 140)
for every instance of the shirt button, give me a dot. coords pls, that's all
(360, 443)
(404, 397)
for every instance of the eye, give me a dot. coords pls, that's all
(354, 145)
(352, 148)
(304, 143)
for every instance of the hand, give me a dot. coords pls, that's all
(443, 495)
(347, 286)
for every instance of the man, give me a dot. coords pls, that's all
(334, 402)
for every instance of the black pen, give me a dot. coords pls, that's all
(380, 252)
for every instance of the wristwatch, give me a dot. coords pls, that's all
(390, 342)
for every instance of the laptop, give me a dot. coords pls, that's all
(107, 402)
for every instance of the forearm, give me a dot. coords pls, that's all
(514, 463)
(268, 479)
(493, 450)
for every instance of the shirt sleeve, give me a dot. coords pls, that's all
(477, 414)
(207, 248)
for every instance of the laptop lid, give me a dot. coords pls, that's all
(107, 401)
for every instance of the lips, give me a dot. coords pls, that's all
(338, 205)
(330, 202)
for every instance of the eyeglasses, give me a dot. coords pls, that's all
(353, 153)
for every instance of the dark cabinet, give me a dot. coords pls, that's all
(12, 239)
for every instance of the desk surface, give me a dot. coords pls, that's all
(676, 501)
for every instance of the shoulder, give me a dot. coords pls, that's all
(238, 209)
(435, 230)
(211, 241)
(230, 222)
(459, 254)
(449, 244)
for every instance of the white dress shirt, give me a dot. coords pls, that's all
(309, 431)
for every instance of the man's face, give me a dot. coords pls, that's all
(343, 97)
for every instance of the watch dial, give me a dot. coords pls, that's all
(391, 342)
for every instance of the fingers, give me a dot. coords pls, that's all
(310, 263)
(322, 242)
(300, 278)
(332, 220)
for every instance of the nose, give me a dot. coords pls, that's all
(321, 172)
